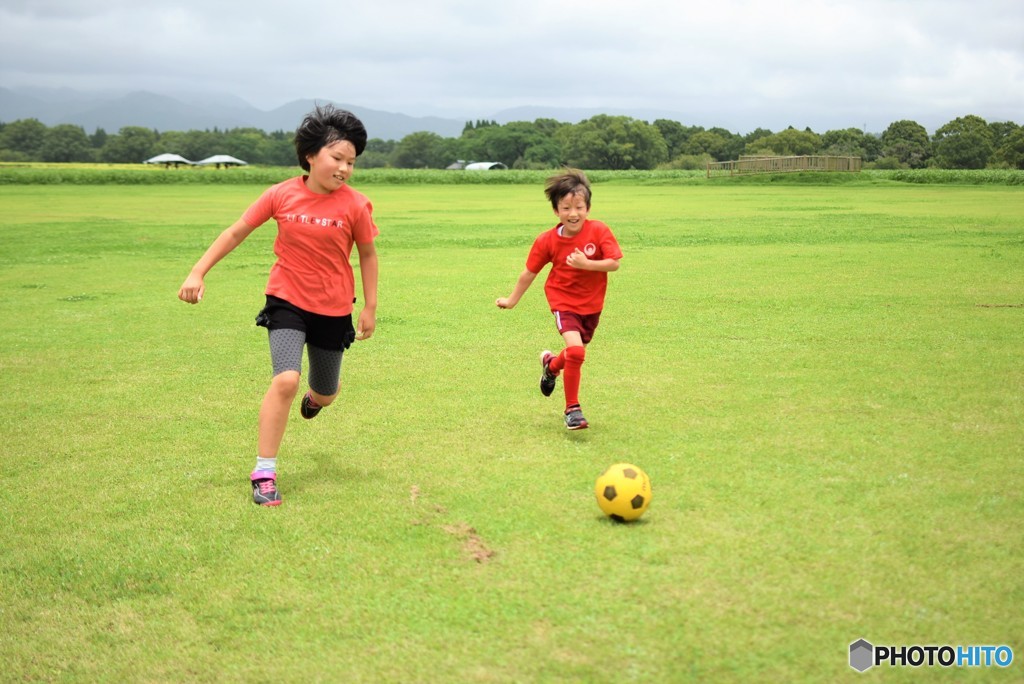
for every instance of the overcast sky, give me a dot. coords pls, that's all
(732, 63)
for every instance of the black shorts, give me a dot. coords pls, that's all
(325, 332)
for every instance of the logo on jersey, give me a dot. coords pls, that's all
(590, 250)
(314, 220)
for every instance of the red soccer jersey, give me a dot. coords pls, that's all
(568, 288)
(315, 234)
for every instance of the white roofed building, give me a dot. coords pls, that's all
(485, 166)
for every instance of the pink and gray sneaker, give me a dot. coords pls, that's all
(574, 419)
(264, 488)
(309, 409)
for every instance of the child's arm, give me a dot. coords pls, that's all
(193, 288)
(522, 285)
(368, 272)
(579, 260)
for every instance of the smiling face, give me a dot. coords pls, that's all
(331, 166)
(572, 211)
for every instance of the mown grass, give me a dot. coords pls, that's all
(824, 383)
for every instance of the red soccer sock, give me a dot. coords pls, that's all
(557, 363)
(573, 358)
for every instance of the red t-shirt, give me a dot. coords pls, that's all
(568, 288)
(315, 234)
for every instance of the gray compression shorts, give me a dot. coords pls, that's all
(324, 364)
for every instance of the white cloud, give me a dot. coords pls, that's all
(737, 63)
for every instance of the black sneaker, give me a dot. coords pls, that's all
(264, 488)
(547, 378)
(574, 419)
(307, 410)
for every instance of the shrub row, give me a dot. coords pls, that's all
(72, 174)
(954, 176)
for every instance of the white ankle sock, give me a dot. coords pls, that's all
(266, 464)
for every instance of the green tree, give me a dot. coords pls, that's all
(247, 144)
(478, 125)
(548, 127)
(706, 142)
(787, 143)
(199, 145)
(98, 139)
(612, 142)
(377, 154)
(907, 142)
(687, 162)
(281, 149)
(543, 153)
(750, 142)
(1011, 152)
(380, 145)
(519, 144)
(131, 145)
(1000, 131)
(964, 143)
(872, 146)
(23, 140)
(67, 143)
(176, 142)
(756, 134)
(474, 145)
(422, 150)
(734, 143)
(193, 144)
(674, 134)
(448, 152)
(851, 142)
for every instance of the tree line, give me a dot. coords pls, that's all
(601, 142)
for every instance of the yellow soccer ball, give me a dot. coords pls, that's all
(623, 492)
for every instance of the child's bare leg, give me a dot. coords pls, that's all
(274, 410)
(572, 338)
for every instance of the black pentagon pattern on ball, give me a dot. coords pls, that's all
(610, 493)
(637, 501)
(629, 472)
(617, 518)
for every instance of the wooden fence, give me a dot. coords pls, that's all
(749, 165)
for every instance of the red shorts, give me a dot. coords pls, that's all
(584, 324)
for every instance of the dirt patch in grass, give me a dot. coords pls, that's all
(472, 543)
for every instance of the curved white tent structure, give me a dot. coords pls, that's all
(219, 159)
(167, 158)
(485, 166)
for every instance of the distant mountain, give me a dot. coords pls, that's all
(111, 112)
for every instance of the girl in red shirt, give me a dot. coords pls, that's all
(310, 292)
(582, 252)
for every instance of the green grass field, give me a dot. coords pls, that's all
(824, 383)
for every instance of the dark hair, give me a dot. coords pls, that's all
(326, 125)
(570, 182)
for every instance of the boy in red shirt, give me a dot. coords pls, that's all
(310, 293)
(582, 252)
